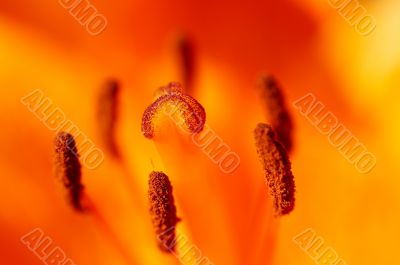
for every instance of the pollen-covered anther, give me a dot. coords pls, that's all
(277, 112)
(107, 115)
(187, 58)
(172, 102)
(162, 210)
(277, 168)
(68, 168)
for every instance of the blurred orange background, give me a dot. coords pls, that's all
(307, 46)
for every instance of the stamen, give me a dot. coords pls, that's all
(68, 168)
(277, 168)
(278, 114)
(162, 210)
(187, 60)
(172, 101)
(108, 114)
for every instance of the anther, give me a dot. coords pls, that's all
(187, 60)
(107, 115)
(277, 168)
(162, 210)
(68, 168)
(277, 112)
